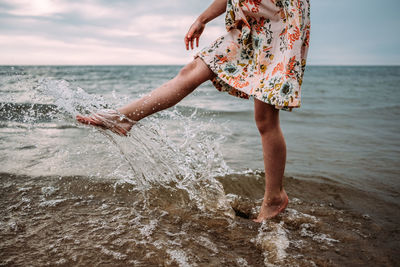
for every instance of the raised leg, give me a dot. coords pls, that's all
(274, 153)
(170, 93)
(165, 96)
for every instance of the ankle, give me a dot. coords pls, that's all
(270, 200)
(121, 117)
(274, 196)
(132, 117)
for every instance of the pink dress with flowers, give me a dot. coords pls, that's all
(263, 55)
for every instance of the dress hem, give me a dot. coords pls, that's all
(237, 92)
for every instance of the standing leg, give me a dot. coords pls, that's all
(274, 153)
(165, 96)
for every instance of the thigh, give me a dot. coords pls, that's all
(192, 75)
(198, 70)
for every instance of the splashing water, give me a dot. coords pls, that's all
(180, 154)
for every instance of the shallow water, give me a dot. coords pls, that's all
(75, 220)
(181, 189)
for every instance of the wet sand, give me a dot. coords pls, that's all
(80, 221)
(366, 226)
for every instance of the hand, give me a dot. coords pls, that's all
(194, 33)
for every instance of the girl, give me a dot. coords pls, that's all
(262, 55)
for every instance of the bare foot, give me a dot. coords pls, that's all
(271, 208)
(108, 119)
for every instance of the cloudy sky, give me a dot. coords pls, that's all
(42, 32)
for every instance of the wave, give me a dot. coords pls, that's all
(189, 110)
(38, 112)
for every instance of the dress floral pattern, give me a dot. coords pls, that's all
(263, 55)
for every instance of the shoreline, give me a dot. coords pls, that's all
(73, 219)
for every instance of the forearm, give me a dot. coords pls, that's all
(217, 8)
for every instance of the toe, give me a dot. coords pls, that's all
(87, 120)
(81, 119)
(119, 131)
(104, 123)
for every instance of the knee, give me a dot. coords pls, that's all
(187, 69)
(266, 124)
(262, 125)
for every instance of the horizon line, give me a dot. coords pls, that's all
(127, 65)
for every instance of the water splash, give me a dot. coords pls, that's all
(273, 240)
(168, 150)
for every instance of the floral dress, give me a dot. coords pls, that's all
(263, 55)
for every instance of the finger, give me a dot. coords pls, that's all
(188, 37)
(187, 42)
(190, 32)
(197, 41)
(191, 43)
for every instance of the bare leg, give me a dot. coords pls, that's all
(170, 93)
(274, 153)
(165, 96)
